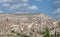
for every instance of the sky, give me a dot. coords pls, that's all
(49, 7)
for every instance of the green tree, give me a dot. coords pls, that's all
(46, 33)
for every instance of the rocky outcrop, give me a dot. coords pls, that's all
(29, 24)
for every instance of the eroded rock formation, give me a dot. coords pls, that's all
(27, 24)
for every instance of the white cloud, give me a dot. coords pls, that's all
(57, 11)
(18, 6)
(5, 1)
(26, 4)
(1, 11)
(22, 12)
(6, 5)
(32, 7)
(39, 0)
(24, 0)
(13, 1)
(15, 7)
(21, 6)
(57, 2)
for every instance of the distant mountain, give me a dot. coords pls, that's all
(27, 24)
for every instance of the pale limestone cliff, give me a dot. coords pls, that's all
(27, 24)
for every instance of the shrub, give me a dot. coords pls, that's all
(16, 34)
(46, 33)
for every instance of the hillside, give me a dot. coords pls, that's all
(27, 24)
